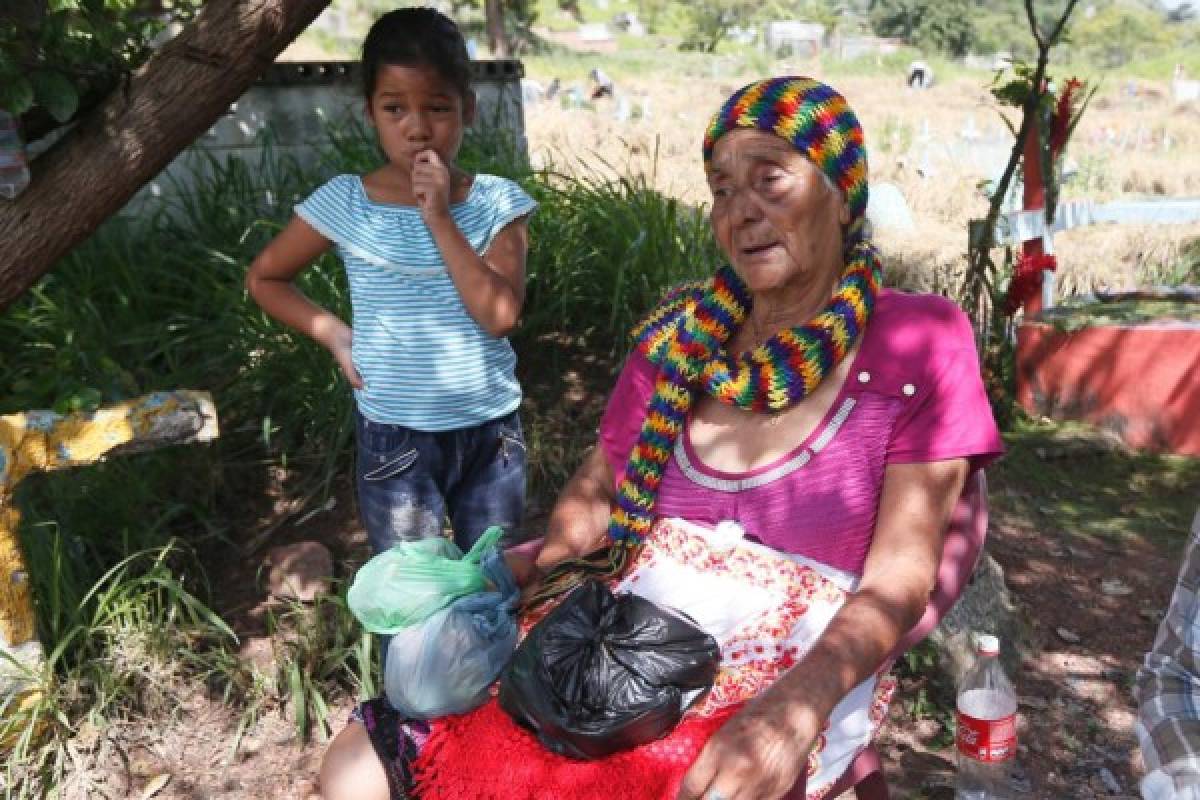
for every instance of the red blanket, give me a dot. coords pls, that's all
(484, 755)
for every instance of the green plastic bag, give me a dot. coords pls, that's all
(404, 585)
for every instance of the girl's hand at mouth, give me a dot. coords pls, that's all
(431, 182)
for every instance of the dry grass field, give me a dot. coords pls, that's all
(1133, 142)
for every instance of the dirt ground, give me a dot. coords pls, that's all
(1075, 719)
(1076, 710)
(1075, 723)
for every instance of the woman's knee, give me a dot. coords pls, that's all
(351, 770)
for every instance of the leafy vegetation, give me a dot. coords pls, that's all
(119, 552)
(1118, 34)
(122, 649)
(60, 57)
(945, 27)
(1076, 315)
(1111, 34)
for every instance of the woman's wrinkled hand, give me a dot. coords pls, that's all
(759, 754)
(523, 568)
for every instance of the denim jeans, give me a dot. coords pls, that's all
(410, 481)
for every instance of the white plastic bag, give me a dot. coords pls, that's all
(445, 664)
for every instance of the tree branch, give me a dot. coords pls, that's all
(1028, 112)
(1033, 25)
(139, 128)
(980, 246)
(1062, 21)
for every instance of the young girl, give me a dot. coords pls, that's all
(436, 264)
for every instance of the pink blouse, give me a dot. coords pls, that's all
(914, 394)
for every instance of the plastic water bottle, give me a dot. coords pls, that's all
(14, 172)
(986, 727)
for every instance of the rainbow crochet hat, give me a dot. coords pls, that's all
(813, 117)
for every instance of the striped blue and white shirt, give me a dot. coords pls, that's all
(426, 364)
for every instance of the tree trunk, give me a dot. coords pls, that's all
(497, 39)
(143, 124)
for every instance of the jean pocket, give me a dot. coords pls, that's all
(510, 439)
(384, 468)
(385, 451)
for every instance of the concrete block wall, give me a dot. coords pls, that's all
(298, 101)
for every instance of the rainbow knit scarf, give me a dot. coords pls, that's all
(685, 336)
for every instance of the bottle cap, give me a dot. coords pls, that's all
(987, 644)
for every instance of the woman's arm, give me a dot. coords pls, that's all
(577, 525)
(270, 281)
(579, 521)
(761, 751)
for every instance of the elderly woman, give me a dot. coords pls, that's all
(835, 422)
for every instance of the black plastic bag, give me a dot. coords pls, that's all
(604, 673)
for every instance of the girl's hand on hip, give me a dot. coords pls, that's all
(759, 754)
(431, 184)
(340, 349)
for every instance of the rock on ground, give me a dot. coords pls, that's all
(302, 571)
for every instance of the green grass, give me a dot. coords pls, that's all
(670, 22)
(602, 252)
(894, 67)
(130, 639)
(320, 646)
(118, 552)
(1069, 480)
(1073, 317)
(638, 57)
(651, 57)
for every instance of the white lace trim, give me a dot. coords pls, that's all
(366, 255)
(775, 473)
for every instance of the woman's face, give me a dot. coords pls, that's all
(775, 216)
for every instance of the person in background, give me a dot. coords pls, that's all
(1167, 690)
(920, 76)
(602, 85)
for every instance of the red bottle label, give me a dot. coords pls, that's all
(987, 740)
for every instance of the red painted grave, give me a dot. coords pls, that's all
(1136, 374)
(1140, 381)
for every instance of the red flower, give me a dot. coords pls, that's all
(1061, 123)
(1027, 280)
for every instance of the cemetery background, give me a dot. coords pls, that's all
(1073, 511)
